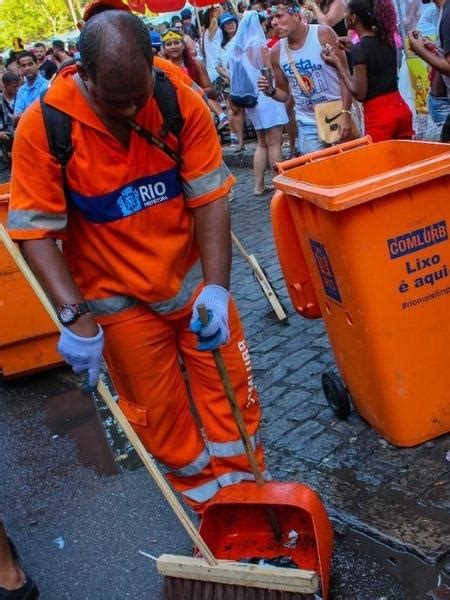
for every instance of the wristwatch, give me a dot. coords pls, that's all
(69, 313)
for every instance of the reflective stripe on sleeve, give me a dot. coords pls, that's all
(32, 219)
(206, 183)
(195, 467)
(236, 448)
(190, 282)
(204, 492)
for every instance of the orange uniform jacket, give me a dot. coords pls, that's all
(127, 227)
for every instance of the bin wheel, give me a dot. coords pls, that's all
(336, 394)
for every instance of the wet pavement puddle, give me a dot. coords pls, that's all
(99, 442)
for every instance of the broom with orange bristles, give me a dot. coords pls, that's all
(189, 578)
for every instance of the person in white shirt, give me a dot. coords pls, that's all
(299, 55)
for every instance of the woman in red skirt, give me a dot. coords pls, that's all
(374, 81)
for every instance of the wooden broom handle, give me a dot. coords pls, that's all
(237, 414)
(106, 396)
(240, 247)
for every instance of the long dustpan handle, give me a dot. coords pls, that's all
(106, 396)
(237, 414)
(239, 419)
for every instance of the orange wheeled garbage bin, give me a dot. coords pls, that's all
(373, 222)
(28, 337)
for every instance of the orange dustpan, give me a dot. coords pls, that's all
(285, 523)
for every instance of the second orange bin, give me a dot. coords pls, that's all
(372, 224)
(28, 337)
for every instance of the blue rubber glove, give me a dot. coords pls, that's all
(82, 353)
(217, 331)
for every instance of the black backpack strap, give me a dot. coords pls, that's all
(58, 126)
(167, 101)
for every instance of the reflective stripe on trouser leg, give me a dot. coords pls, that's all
(234, 448)
(142, 358)
(224, 443)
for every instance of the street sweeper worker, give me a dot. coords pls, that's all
(145, 242)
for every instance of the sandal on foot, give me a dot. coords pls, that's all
(28, 591)
(267, 188)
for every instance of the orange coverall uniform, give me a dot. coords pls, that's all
(128, 240)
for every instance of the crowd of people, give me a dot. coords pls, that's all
(23, 78)
(145, 222)
(314, 52)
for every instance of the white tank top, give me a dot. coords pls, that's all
(320, 79)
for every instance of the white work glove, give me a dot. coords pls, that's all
(217, 331)
(82, 353)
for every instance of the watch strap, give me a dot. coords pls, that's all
(82, 307)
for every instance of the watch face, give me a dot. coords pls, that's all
(67, 314)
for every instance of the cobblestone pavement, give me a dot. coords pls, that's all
(398, 496)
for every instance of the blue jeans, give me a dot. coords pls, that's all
(439, 109)
(308, 139)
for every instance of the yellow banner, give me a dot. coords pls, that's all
(419, 73)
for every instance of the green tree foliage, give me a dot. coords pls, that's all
(32, 20)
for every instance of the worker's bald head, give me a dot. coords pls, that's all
(112, 42)
(115, 69)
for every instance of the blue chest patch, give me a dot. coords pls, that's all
(130, 199)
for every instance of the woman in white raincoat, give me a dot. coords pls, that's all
(249, 55)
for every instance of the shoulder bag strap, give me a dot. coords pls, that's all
(167, 101)
(298, 77)
(156, 141)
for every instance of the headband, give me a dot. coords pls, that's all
(291, 10)
(172, 35)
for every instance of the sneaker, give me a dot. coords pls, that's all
(223, 122)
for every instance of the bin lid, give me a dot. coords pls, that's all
(349, 174)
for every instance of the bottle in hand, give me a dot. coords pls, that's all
(268, 74)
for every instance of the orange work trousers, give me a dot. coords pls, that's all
(202, 452)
